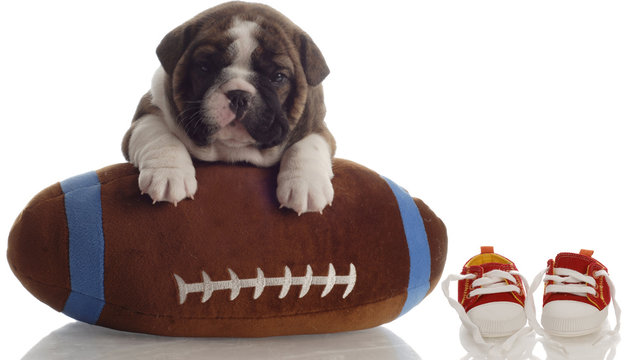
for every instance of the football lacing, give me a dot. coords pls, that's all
(235, 284)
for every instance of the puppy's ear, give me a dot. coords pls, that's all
(174, 44)
(312, 60)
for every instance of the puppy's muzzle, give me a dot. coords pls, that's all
(239, 102)
(264, 120)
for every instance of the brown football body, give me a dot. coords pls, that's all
(230, 262)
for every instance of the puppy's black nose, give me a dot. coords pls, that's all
(239, 101)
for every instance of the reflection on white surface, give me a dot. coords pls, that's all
(82, 341)
(521, 347)
(597, 346)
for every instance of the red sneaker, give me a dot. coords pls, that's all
(577, 294)
(491, 294)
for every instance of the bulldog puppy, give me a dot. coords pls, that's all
(238, 82)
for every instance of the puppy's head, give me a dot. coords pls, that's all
(242, 75)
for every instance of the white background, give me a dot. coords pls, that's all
(512, 120)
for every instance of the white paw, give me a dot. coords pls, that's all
(304, 191)
(168, 184)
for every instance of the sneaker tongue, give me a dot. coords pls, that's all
(573, 261)
(497, 266)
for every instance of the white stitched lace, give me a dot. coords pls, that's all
(491, 282)
(570, 282)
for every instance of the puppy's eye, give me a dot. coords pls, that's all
(204, 68)
(278, 78)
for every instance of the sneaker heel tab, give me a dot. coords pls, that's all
(586, 252)
(487, 249)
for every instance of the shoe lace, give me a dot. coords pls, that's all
(491, 282)
(570, 282)
(494, 282)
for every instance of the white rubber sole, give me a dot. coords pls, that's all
(568, 318)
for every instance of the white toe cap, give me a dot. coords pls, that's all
(499, 318)
(572, 318)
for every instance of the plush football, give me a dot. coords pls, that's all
(230, 262)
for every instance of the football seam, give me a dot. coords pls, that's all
(211, 318)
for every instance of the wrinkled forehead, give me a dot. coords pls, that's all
(242, 41)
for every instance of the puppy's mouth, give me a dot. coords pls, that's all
(234, 135)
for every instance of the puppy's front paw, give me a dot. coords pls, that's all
(304, 191)
(168, 184)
